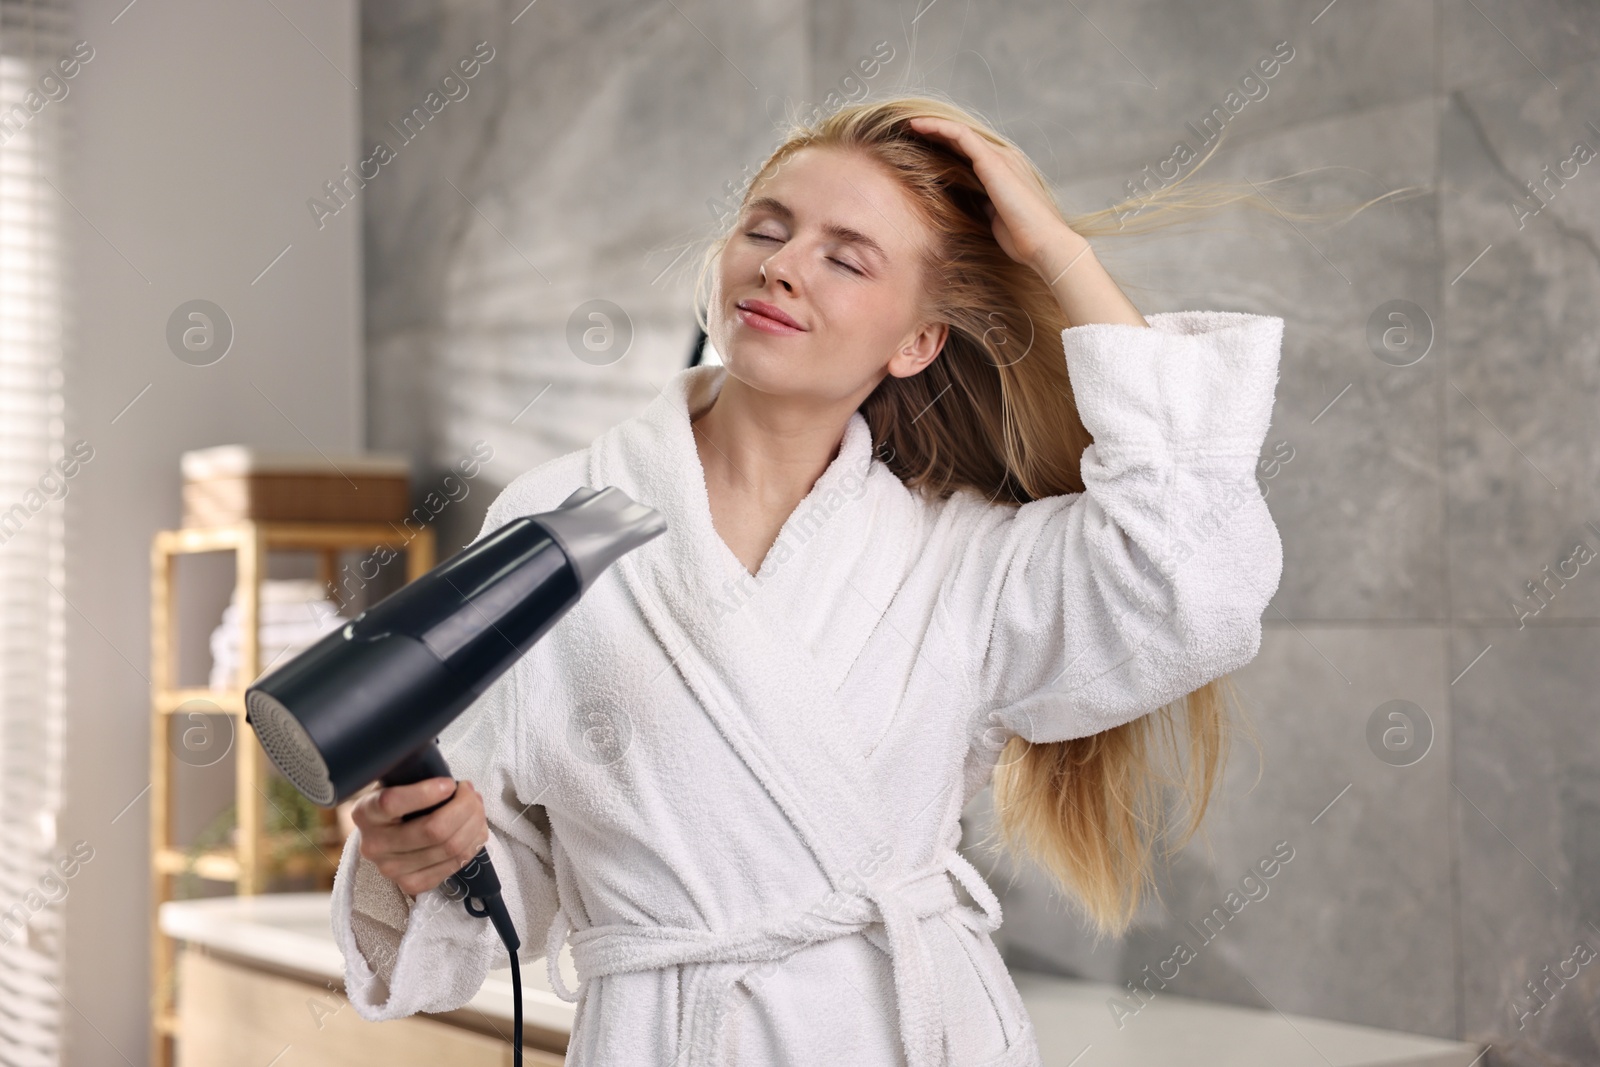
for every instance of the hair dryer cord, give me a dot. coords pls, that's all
(478, 883)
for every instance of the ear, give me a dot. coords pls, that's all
(919, 350)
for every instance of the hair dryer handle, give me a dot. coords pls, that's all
(426, 762)
(477, 881)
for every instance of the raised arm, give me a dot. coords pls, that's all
(1080, 612)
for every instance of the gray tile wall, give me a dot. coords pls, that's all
(1420, 503)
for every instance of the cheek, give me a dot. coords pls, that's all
(865, 330)
(731, 276)
(739, 261)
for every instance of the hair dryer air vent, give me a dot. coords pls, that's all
(289, 747)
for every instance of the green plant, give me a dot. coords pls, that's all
(293, 834)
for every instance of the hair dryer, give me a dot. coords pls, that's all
(367, 702)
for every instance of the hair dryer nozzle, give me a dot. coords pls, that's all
(597, 527)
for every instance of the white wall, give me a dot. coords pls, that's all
(202, 130)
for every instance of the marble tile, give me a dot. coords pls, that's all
(1112, 88)
(1367, 887)
(1498, 43)
(1526, 803)
(1520, 326)
(602, 133)
(1361, 486)
(410, 214)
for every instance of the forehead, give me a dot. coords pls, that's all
(824, 186)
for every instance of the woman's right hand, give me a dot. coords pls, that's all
(420, 854)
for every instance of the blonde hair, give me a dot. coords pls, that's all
(1087, 810)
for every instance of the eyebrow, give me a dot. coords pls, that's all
(832, 229)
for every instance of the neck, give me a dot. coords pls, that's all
(768, 448)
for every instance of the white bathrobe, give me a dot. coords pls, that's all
(741, 793)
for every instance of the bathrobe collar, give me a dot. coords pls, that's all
(835, 544)
(768, 695)
(666, 428)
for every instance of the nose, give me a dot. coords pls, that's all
(777, 271)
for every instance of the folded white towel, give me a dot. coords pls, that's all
(225, 638)
(289, 591)
(303, 611)
(294, 614)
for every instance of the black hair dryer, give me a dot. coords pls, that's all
(367, 702)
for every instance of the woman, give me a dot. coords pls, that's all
(895, 568)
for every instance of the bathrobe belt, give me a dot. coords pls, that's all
(887, 913)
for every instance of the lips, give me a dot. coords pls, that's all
(761, 307)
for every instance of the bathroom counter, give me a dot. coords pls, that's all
(292, 933)
(1070, 1016)
(288, 939)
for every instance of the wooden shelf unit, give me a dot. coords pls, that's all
(241, 864)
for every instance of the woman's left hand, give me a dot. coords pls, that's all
(1027, 223)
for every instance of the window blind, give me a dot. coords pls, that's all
(34, 103)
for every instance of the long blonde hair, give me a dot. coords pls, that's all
(1088, 810)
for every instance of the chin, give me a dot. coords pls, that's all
(758, 370)
(770, 371)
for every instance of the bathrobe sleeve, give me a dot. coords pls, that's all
(1081, 612)
(405, 955)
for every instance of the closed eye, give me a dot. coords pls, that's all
(769, 237)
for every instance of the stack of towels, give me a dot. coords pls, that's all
(294, 612)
